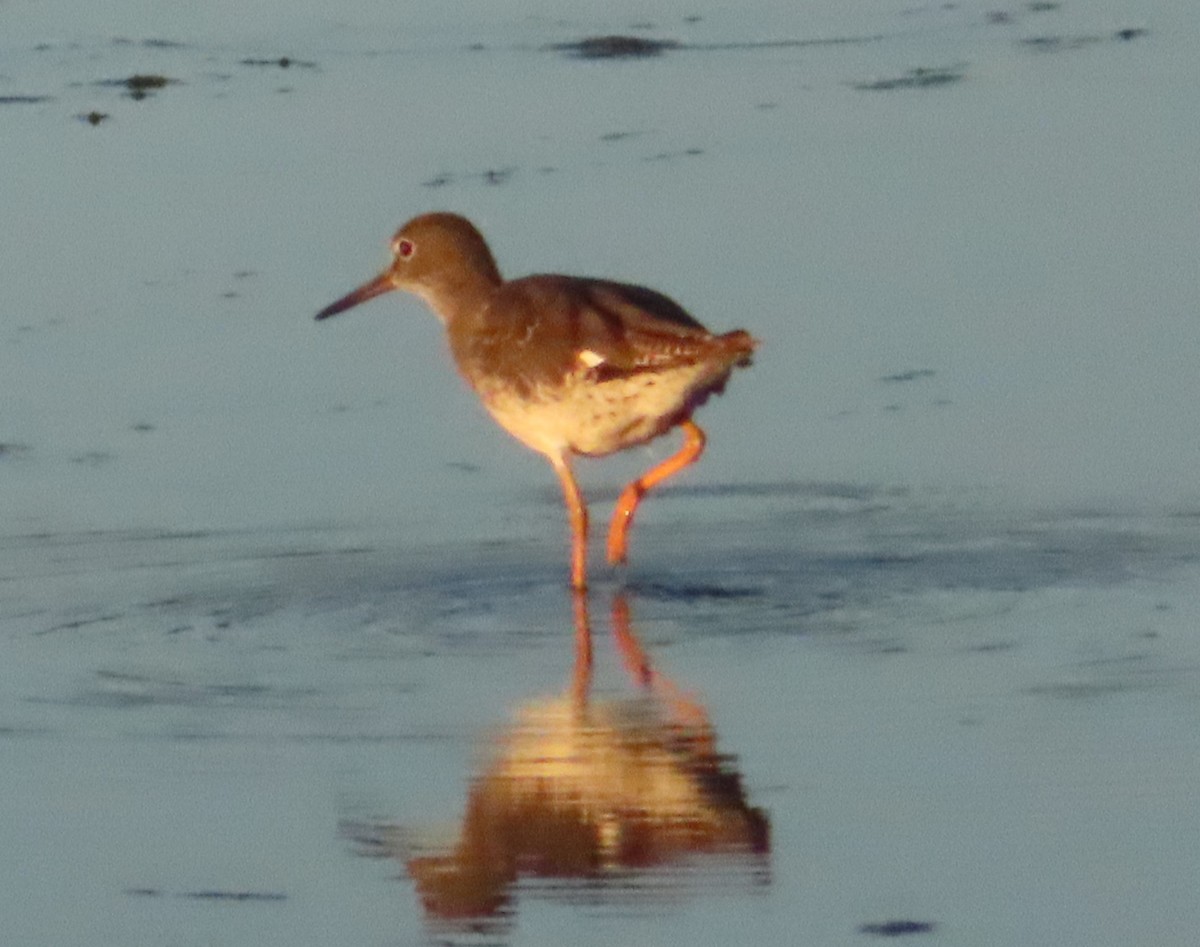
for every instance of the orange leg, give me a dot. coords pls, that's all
(578, 515)
(618, 530)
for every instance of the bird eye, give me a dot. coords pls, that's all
(404, 248)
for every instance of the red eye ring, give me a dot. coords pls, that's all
(404, 248)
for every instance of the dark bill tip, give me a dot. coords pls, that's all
(377, 287)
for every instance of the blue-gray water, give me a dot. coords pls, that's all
(272, 593)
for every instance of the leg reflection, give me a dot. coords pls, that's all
(581, 674)
(584, 787)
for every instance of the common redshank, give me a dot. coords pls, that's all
(566, 365)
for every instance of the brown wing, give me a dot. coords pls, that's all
(651, 331)
(546, 327)
(628, 328)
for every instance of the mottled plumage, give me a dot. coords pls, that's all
(564, 364)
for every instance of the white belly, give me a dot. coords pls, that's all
(599, 417)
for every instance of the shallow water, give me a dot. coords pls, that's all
(283, 617)
(984, 725)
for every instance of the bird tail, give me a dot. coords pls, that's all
(740, 345)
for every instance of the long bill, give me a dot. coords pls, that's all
(377, 287)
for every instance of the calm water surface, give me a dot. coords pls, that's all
(287, 651)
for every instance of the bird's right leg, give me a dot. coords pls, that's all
(578, 515)
(631, 496)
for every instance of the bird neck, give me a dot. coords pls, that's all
(457, 300)
(460, 291)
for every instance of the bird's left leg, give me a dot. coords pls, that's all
(631, 496)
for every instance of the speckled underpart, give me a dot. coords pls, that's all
(566, 365)
(595, 417)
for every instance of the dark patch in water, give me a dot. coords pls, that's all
(992, 647)
(923, 77)
(150, 43)
(119, 690)
(1054, 44)
(283, 62)
(787, 43)
(1058, 44)
(235, 895)
(213, 895)
(877, 498)
(24, 99)
(673, 155)
(93, 117)
(144, 83)
(897, 928)
(141, 85)
(78, 623)
(370, 839)
(912, 374)
(688, 592)
(1129, 33)
(637, 47)
(618, 136)
(616, 47)
(93, 458)
(7, 731)
(492, 176)
(1078, 690)
(497, 176)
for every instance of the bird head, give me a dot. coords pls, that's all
(440, 257)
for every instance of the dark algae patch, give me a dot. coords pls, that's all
(234, 895)
(911, 374)
(923, 77)
(491, 176)
(1058, 44)
(150, 43)
(282, 62)
(616, 47)
(141, 84)
(639, 47)
(897, 928)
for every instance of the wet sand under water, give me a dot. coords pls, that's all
(842, 715)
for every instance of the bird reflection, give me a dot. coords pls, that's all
(598, 798)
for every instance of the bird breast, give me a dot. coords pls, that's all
(584, 414)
